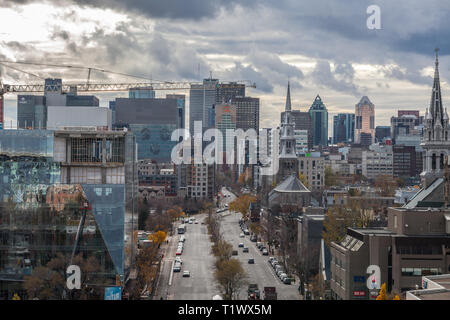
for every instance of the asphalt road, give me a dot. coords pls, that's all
(198, 259)
(261, 272)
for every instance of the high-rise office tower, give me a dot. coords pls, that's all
(364, 121)
(319, 117)
(181, 107)
(201, 100)
(343, 128)
(226, 119)
(227, 92)
(247, 113)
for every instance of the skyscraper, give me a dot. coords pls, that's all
(319, 117)
(201, 100)
(364, 121)
(227, 92)
(343, 128)
(247, 113)
(226, 119)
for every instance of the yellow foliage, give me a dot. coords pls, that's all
(382, 294)
(242, 204)
(159, 237)
(397, 297)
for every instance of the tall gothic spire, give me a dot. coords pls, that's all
(436, 109)
(288, 98)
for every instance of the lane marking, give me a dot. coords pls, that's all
(171, 273)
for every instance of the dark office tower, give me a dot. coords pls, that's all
(181, 108)
(343, 128)
(227, 92)
(382, 132)
(201, 99)
(302, 121)
(31, 112)
(319, 117)
(112, 107)
(365, 139)
(364, 120)
(404, 161)
(247, 110)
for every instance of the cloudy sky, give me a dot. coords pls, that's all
(323, 46)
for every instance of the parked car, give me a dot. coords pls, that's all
(287, 280)
(246, 232)
(178, 260)
(241, 245)
(265, 252)
(271, 259)
(282, 276)
(245, 249)
(242, 235)
(186, 273)
(251, 261)
(234, 253)
(177, 267)
(258, 244)
(274, 262)
(179, 252)
(279, 273)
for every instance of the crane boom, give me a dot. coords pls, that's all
(99, 87)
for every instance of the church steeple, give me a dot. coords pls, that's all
(436, 109)
(288, 98)
(436, 130)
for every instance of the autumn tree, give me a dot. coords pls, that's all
(231, 278)
(147, 269)
(49, 282)
(158, 237)
(302, 179)
(386, 184)
(222, 250)
(339, 218)
(242, 204)
(331, 179)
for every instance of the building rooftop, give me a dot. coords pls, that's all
(291, 184)
(436, 288)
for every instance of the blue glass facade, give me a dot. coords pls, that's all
(344, 128)
(154, 141)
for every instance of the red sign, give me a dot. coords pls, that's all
(359, 293)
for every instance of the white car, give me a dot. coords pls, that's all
(186, 273)
(242, 235)
(178, 260)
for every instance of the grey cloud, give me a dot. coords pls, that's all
(340, 80)
(241, 72)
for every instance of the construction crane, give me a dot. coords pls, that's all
(96, 87)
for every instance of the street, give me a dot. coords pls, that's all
(198, 259)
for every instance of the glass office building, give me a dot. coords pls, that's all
(42, 218)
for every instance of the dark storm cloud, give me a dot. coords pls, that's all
(175, 9)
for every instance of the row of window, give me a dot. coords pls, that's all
(418, 272)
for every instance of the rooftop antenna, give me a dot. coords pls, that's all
(210, 74)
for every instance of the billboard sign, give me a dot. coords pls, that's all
(113, 293)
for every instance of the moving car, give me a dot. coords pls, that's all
(234, 253)
(241, 245)
(251, 261)
(245, 249)
(242, 235)
(186, 273)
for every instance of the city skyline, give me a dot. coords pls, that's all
(172, 44)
